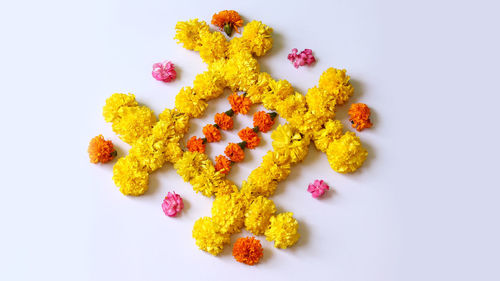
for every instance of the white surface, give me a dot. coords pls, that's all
(424, 206)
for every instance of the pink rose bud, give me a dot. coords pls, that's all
(172, 204)
(164, 71)
(318, 188)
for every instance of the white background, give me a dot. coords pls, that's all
(423, 207)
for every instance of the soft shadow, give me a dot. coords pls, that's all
(304, 237)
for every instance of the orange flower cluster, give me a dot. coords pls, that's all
(248, 250)
(212, 134)
(222, 164)
(360, 116)
(227, 20)
(239, 104)
(196, 144)
(224, 121)
(234, 152)
(264, 121)
(250, 137)
(101, 150)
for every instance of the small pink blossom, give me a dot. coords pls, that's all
(318, 188)
(303, 58)
(164, 71)
(172, 204)
(293, 55)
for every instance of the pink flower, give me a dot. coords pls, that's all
(293, 55)
(303, 58)
(164, 71)
(172, 204)
(318, 188)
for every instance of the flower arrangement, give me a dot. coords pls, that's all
(233, 64)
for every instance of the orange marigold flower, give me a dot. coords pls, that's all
(263, 120)
(234, 152)
(248, 250)
(222, 164)
(227, 20)
(196, 144)
(211, 133)
(101, 150)
(224, 121)
(239, 104)
(360, 116)
(250, 137)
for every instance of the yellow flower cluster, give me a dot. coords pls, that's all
(197, 169)
(233, 64)
(283, 230)
(153, 142)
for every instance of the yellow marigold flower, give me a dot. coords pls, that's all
(283, 230)
(237, 45)
(307, 123)
(227, 187)
(180, 120)
(346, 154)
(258, 214)
(207, 236)
(213, 46)
(228, 212)
(290, 143)
(208, 85)
(278, 171)
(332, 130)
(189, 103)
(188, 33)
(149, 153)
(135, 122)
(164, 130)
(336, 83)
(208, 180)
(257, 91)
(259, 182)
(173, 152)
(188, 166)
(129, 176)
(293, 104)
(320, 103)
(241, 71)
(259, 37)
(114, 103)
(280, 90)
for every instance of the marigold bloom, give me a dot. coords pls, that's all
(172, 204)
(164, 71)
(360, 116)
(224, 121)
(211, 133)
(234, 152)
(101, 150)
(248, 250)
(263, 120)
(196, 144)
(222, 164)
(250, 137)
(227, 20)
(239, 104)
